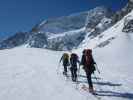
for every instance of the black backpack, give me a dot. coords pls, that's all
(73, 60)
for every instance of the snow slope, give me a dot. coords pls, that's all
(30, 74)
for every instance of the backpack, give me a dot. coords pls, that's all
(65, 56)
(88, 56)
(89, 62)
(66, 59)
(74, 59)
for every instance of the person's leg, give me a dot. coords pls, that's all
(65, 70)
(89, 80)
(65, 67)
(75, 74)
(90, 83)
(72, 73)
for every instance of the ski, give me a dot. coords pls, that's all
(96, 96)
(85, 88)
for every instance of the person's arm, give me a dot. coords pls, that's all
(61, 59)
(82, 60)
(96, 65)
(93, 61)
(78, 62)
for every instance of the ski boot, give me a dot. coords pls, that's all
(65, 74)
(91, 90)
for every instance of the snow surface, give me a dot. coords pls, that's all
(30, 74)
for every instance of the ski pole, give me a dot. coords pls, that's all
(58, 67)
(97, 68)
(77, 82)
(79, 70)
(97, 81)
(78, 74)
(95, 77)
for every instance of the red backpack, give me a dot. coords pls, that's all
(88, 57)
(90, 68)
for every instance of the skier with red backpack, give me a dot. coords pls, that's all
(88, 65)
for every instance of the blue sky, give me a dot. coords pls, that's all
(22, 15)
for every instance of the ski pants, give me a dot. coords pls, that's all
(89, 79)
(65, 69)
(74, 73)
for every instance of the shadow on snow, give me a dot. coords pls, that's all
(107, 83)
(83, 76)
(115, 94)
(101, 83)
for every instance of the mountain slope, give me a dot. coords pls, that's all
(124, 11)
(123, 27)
(15, 40)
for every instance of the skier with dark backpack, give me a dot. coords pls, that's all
(74, 61)
(65, 62)
(88, 65)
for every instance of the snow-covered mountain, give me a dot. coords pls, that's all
(15, 40)
(66, 32)
(123, 28)
(69, 32)
(124, 11)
